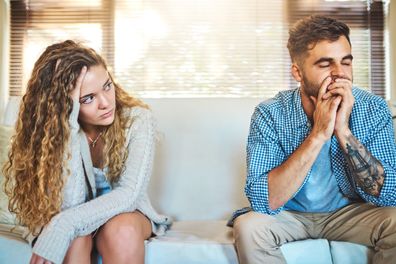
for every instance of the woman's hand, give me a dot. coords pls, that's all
(75, 93)
(36, 259)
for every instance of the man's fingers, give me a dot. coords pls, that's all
(326, 82)
(335, 103)
(313, 99)
(340, 83)
(344, 83)
(340, 86)
(335, 91)
(339, 80)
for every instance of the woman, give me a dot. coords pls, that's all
(80, 162)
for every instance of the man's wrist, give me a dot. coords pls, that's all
(317, 138)
(342, 134)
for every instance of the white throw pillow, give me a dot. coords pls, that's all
(5, 134)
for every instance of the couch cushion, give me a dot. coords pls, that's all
(193, 242)
(350, 253)
(5, 134)
(14, 251)
(203, 242)
(310, 251)
(13, 248)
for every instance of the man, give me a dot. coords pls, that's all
(321, 158)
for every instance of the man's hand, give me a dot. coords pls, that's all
(36, 259)
(342, 88)
(75, 93)
(325, 113)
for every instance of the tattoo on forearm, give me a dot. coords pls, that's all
(365, 169)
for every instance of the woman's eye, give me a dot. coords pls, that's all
(108, 86)
(87, 99)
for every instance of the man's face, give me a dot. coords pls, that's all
(326, 59)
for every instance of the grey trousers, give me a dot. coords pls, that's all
(258, 237)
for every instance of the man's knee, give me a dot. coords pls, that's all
(243, 225)
(252, 227)
(256, 240)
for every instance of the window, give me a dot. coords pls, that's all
(186, 48)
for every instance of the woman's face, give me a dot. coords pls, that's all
(97, 98)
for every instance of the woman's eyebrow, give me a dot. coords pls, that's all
(106, 83)
(90, 94)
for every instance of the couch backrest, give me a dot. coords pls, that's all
(200, 164)
(199, 170)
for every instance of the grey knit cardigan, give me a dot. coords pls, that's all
(79, 217)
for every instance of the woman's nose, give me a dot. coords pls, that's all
(103, 101)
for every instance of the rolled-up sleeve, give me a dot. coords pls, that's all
(381, 144)
(264, 153)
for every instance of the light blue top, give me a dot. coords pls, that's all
(101, 183)
(321, 192)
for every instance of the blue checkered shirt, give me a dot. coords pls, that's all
(279, 126)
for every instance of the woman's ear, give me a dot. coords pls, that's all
(295, 71)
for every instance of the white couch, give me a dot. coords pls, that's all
(199, 179)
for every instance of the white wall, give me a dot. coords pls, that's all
(4, 51)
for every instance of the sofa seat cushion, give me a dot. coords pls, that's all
(310, 251)
(13, 248)
(350, 253)
(326, 252)
(197, 242)
(193, 242)
(14, 251)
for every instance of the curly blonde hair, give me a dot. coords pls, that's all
(36, 169)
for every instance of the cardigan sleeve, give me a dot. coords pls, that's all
(55, 239)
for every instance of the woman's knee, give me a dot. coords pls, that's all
(122, 232)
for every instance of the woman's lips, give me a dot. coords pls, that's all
(108, 114)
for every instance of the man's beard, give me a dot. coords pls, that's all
(310, 88)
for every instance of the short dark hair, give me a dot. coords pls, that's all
(312, 29)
